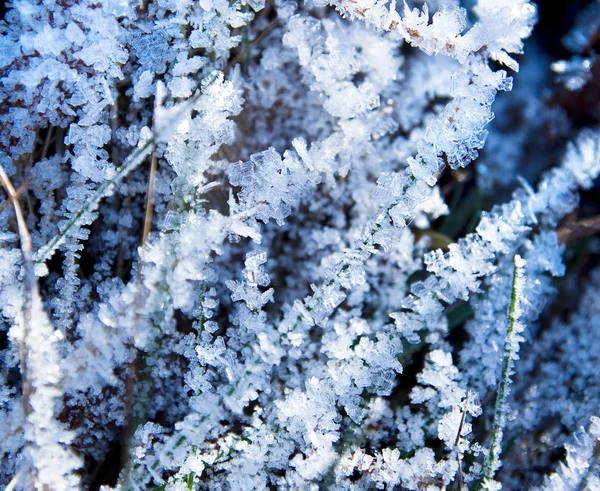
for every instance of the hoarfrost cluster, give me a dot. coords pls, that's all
(271, 244)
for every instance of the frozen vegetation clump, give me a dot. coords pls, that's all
(268, 244)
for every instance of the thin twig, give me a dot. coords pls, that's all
(12, 485)
(457, 441)
(47, 142)
(576, 231)
(26, 250)
(133, 368)
(28, 289)
(150, 198)
(18, 193)
(241, 54)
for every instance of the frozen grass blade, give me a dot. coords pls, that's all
(104, 190)
(49, 463)
(511, 349)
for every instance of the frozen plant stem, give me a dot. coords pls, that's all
(18, 193)
(49, 463)
(14, 482)
(150, 197)
(104, 190)
(133, 368)
(133, 161)
(459, 455)
(29, 283)
(511, 349)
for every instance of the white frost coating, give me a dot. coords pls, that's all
(580, 468)
(53, 463)
(321, 299)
